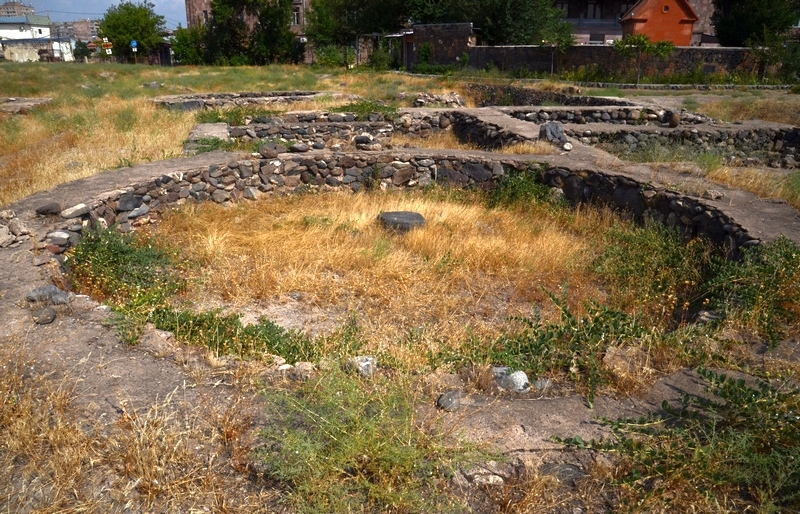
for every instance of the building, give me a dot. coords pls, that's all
(661, 20)
(31, 26)
(597, 22)
(198, 13)
(80, 30)
(15, 9)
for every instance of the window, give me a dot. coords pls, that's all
(295, 16)
(205, 17)
(595, 11)
(597, 39)
(625, 7)
(40, 31)
(563, 6)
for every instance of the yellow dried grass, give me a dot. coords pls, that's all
(465, 272)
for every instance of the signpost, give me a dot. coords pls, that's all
(107, 45)
(134, 48)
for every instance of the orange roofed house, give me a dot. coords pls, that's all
(661, 20)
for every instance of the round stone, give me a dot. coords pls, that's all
(402, 221)
(44, 316)
(450, 400)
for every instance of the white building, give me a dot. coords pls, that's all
(32, 26)
(28, 38)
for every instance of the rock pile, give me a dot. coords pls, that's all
(12, 232)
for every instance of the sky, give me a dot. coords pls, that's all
(174, 11)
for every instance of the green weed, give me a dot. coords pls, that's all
(763, 290)
(235, 116)
(649, 271)
(348, 445)
(741, 443)
(518, 189)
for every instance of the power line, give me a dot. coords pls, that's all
(68, 12)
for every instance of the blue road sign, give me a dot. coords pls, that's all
(133, 44)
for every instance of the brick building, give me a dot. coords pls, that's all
(15, 9)
(661, 20)
(598, 21)
(199, 11)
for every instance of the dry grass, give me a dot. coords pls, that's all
(72, 141)
(447, 140)
(54, 459)
(463, 273)
(765, 184)
(780, 109)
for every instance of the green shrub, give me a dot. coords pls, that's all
(234, 116)
(518, 189)
(123, 268)
(763, 290)
(346, 445)
(650, 271)
(742, 443)
(574, 345)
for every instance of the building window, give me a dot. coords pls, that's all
(564, 6)
(597, 39)
(40, 31)
(595, 11)
(625, 7)
(295, 16)
(205, 17)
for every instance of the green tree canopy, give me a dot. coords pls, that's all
(737, 21)
(636, 47)
(128, 22)
(188, 45)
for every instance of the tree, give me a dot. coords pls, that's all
(737, 21)
(338, 23)
(557, 34)
(769, 49)
(188, 44)
(128, 22)
(271, 39)
(81, 50)
(635, 47)
(508, 22)
(227, 34)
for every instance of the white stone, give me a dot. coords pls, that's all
(75, 211)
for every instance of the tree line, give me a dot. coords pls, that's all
(240, 32)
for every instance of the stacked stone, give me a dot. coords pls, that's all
(486, 135)
(12, 232)
(690, 216)
(612, 115)
(273, 173)
(775, 147)
(491, 95)
(315, 134)
(423, 123)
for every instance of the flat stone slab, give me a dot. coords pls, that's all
(402, 221)
(21, 105)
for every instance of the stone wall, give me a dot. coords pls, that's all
(143, 203)
(322, 129)
(682, 60)
(752, 147)
(192, 102)
(448, 41)
(490, 95)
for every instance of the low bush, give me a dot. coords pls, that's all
(737, 449)
(343, 444)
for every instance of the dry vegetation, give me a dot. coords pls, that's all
(447, 140)
(779, 109)
(464, 272)
(164, 459)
